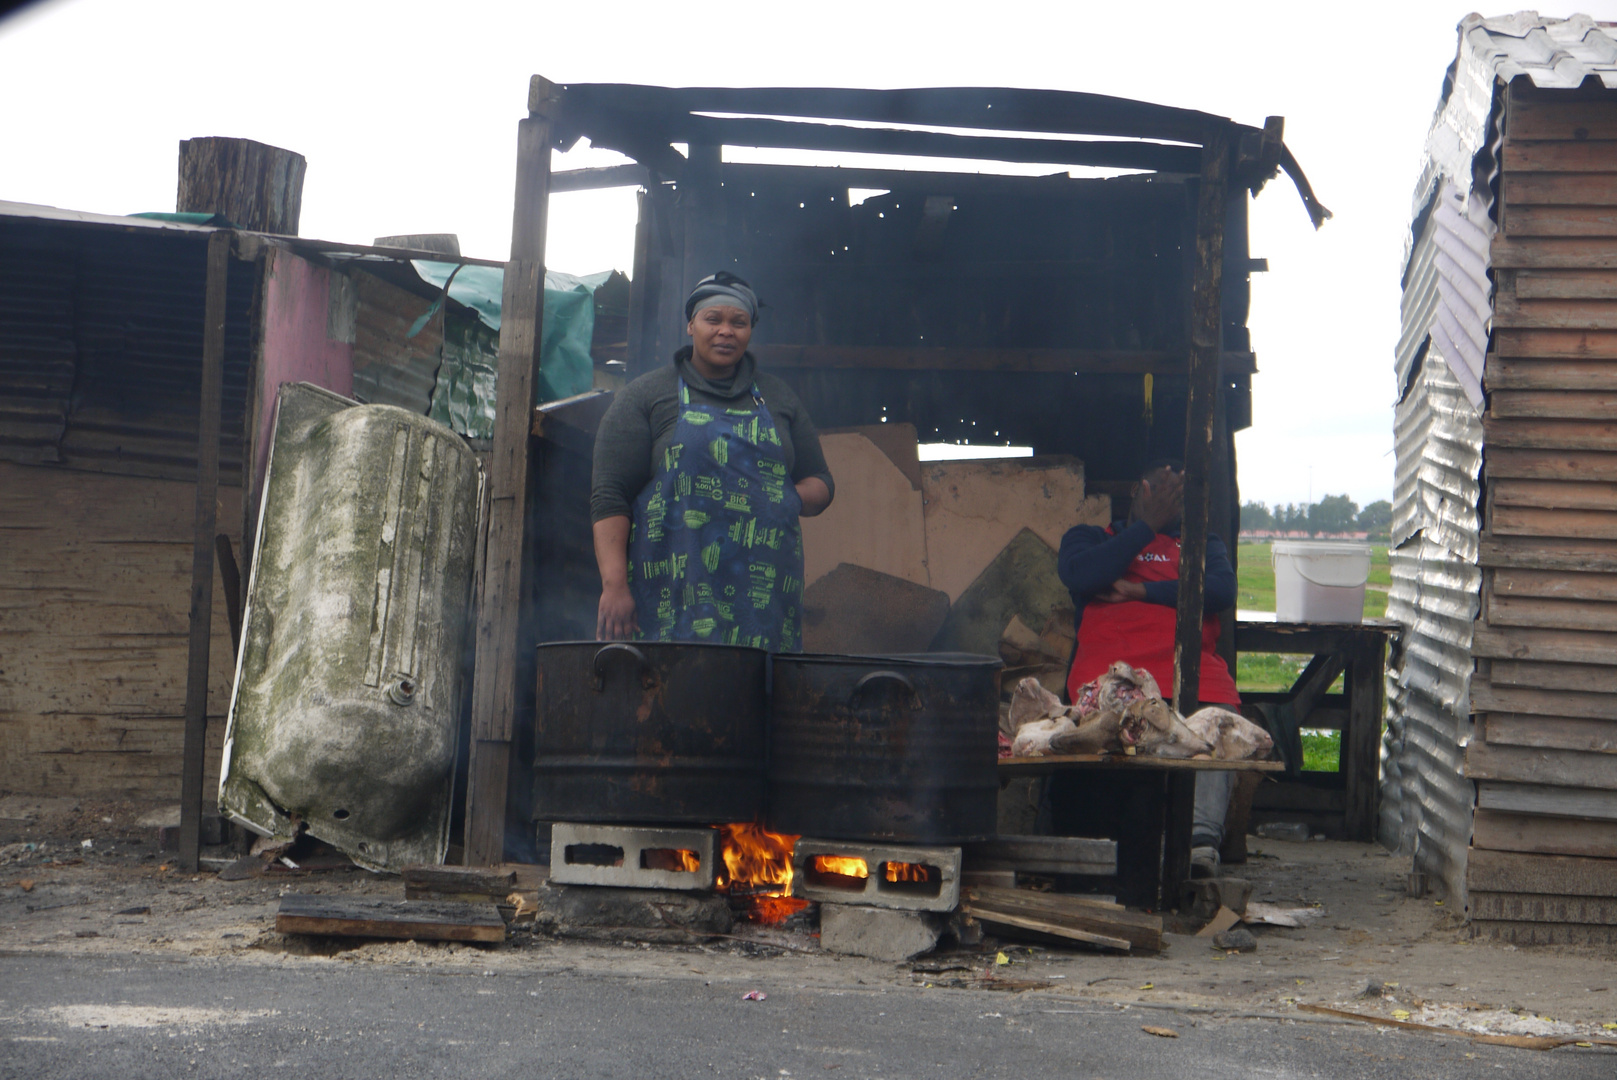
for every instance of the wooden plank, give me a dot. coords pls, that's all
(1552, 644)
(1560, 284)
(1044, 855)
(364, 916)
(944, 358)
(492, 880)
(1574, 344)
(1539, 553)
(1035, 766)
(1531, 765)
(1140, 930)
(1583, 188)
(1543, 613)
(1519, 872)
(1539, 908)
(1361, 742)
(1593, 678)
(877, 522)
(1528, 933)
(1559, 584)
(1530, 221)
(1580, 121)
(501, 655)
(1562, 404)
(972, 509)
(1512, 311)
(1530, 373)
(1500, 830)
(1548, 800)
(1572, 524)
(1587, 155)
(202, 551)
(1547, 730)
(1201, 406)
(1553, 494)
(1022, 922)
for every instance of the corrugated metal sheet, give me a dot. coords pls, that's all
(1553, 53)
(101, 347)
(1426, 800)
(1446, 311)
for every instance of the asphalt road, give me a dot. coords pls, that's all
(124, 1018)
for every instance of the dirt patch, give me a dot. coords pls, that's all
(1373, 948)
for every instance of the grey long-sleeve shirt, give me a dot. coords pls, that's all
(639, 425)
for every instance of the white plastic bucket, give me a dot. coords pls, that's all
(1320, 580)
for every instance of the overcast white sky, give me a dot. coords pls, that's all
(407, 114)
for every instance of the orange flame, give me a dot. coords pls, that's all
(754, 856)
(844, 865)
(759, 862)
(906, 871)
(679, 860)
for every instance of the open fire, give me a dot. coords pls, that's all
(758, 867)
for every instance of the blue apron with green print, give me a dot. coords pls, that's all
(715, 549)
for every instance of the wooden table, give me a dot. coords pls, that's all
(1153, 849)
(1343, 803)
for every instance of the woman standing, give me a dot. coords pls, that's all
(701, 472)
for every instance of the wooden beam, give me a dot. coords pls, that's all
(500, 647)
(207, 503)
(945, 358)
(1361, 742)
(255, 186)
(367, 916)
(782, 134)
(1200, 412)
(609, 176)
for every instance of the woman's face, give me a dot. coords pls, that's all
(719, 335)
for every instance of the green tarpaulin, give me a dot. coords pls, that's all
(464, 396)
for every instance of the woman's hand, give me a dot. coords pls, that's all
(814, 495)
(615, 620)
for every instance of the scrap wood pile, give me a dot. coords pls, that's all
(1024, 912)
(1123, 712)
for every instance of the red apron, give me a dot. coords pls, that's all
(1142, 633)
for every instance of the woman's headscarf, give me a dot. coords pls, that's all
(722, 289)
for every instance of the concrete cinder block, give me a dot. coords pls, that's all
(940, 892)
(879, 933)
(1202, 897)
(629, 857)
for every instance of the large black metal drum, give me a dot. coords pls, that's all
(900, 748)
(649, 733)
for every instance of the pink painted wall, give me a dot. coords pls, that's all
(296, 348)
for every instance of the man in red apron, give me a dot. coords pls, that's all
(1124, 581)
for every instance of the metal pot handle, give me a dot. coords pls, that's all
(886, 676)
(648, 677)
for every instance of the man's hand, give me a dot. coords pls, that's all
(1162, 500)
(1121, 591)
(615, 620)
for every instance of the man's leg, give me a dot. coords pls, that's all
(1213, 790)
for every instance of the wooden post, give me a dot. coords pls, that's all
(1361, 742)
(207, 506)
(499, 661)
(1206, 339)
(257, 187)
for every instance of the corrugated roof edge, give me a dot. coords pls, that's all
(330, 248)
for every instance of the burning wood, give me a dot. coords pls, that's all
(679, 860)
(758, 866)
(841, 864)
(913, 873)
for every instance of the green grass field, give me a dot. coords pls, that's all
(1268, 672)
